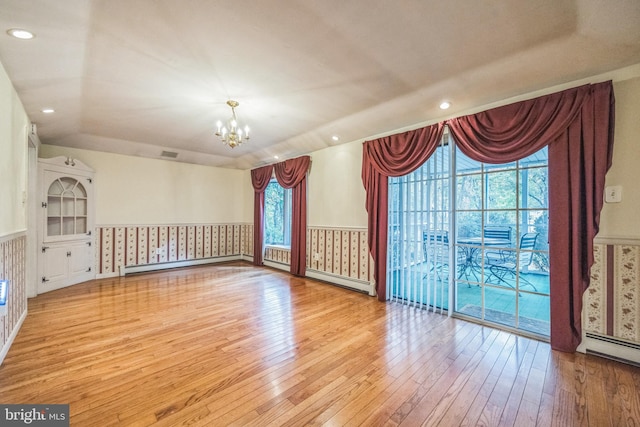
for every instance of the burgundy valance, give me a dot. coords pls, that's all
(291, 172)
(260, 177)
(515, 131)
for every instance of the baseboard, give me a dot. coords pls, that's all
(12, 337)
(130, 269)
(347, 282)
(611, 348)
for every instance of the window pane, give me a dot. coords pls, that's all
(534, 188)
(534, 313)
(465, 165)
(501, 190)
(277, 215)
(469, 192)
(504, 220)
(469, 224)
(500, 305)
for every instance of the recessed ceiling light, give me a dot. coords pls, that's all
(444, 105)
(276, 157)
(19, 33)
(335, 138)
(48, 110)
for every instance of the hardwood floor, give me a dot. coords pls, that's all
(237, 345)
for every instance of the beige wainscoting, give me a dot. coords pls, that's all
(277, 254)
(611, 306)
(340, 251)
(13, 269)
(336, 255)
(135, 245)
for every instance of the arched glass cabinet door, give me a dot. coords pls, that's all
(66, 208)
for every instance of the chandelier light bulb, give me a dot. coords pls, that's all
(234, 135)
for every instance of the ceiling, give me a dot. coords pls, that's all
(139, 77)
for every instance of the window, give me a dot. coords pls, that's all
(472, 237)
(277, 215)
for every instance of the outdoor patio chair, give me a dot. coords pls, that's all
(435, 245)
(505, 265)
(497, 232)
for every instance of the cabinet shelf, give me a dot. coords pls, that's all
(66, 207)
(68, 251)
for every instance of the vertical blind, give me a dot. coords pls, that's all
(418, 258)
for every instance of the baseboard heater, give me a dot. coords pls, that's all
(345, 282)
(143, 268)
(334, 279)
(611, 348)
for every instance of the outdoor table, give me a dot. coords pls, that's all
(469, 247)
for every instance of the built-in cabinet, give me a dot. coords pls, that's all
(66, 255)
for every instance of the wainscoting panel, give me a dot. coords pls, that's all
(134, 245)
(13, 269)
(612, 302)
(339, 251)
(278, 255)
(340, 254)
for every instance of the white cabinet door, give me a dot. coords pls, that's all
(55, 266)
(66, 264)
(81, 263)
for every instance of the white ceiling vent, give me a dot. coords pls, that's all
(169, 154)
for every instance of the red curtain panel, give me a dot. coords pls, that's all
(260, 178)
(293, 174)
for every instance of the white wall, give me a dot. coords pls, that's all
(622, 220)
(335, 192)
(14, 125)
(135, 190)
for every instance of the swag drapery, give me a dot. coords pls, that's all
(577, 125)
(259, 179)
(290, 174)
(394, 155)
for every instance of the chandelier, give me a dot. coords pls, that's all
(231, 133)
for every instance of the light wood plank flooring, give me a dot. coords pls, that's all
(233, 344)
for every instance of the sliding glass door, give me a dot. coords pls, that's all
(473, 238)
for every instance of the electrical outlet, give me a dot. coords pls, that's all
(316, 256)
(613, 194)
